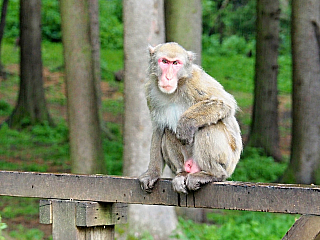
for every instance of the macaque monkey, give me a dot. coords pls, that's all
(195, 131)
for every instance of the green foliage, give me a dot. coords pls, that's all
(111, 61)
(2, 227)
(237, 225)
(23, 233)
(285, 74)
(254, 166)
(111, 27)
(51, 20)
(12, 20)
(5, 108)
(236, 18)
(113, 150)
(234, 72)
(37, 142)
(232, 45)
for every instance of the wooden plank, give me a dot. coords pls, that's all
(97, 188)
(307, 227)
(283, 198)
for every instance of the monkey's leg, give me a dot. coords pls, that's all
(173, 156)
(213, 153)
(156, 164)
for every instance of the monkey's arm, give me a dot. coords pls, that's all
(156, 164)
(203, 113)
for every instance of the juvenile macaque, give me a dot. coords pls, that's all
(195, 131)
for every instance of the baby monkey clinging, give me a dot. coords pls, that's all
(195, 131)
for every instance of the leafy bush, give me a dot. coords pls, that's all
(233, 45)
(5, 108)
(111, 27)
(254, 166)
(237, 17)
(51, 20)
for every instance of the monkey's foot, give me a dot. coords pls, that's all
(147, 181)
(195, 180)
(179, 184)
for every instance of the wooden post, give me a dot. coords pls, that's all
(82, 220)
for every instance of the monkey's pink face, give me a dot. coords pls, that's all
(168, 81)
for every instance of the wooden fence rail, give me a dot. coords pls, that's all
(87, 191)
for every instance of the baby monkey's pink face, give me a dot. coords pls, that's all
(168, 81)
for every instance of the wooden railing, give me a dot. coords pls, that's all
(88, 206)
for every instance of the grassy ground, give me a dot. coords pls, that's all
(46, 149)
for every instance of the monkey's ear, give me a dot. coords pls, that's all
(191, 56)
(151, 49)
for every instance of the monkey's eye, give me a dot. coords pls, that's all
(175, 62)
(165, 61)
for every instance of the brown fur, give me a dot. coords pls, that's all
(196, 122)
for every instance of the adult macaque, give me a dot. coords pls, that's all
(195, 131)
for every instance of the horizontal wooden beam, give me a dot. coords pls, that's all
(282, 198)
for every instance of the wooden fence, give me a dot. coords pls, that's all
(89, 206)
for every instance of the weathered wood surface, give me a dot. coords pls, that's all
(283, 198)
(306, 227)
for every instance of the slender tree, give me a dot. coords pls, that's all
(143, 25)
(83, 118)
(264, 131)
(31, 107)
(304, 166)
(184, 24)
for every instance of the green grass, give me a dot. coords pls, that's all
(238, 225)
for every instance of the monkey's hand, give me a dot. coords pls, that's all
(147, 181)
(186, 129)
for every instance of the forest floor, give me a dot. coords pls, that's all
(56, 102)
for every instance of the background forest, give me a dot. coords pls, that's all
(228, 54)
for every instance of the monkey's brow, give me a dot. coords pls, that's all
(171, 59)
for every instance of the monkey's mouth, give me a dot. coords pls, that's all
(167, 88)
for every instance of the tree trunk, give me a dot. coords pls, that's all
(85, 136)
(95, 43)
(31, 107)
(2, 25)
(264, 132)
(143, 25)
(184, 24)
(304, 164)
